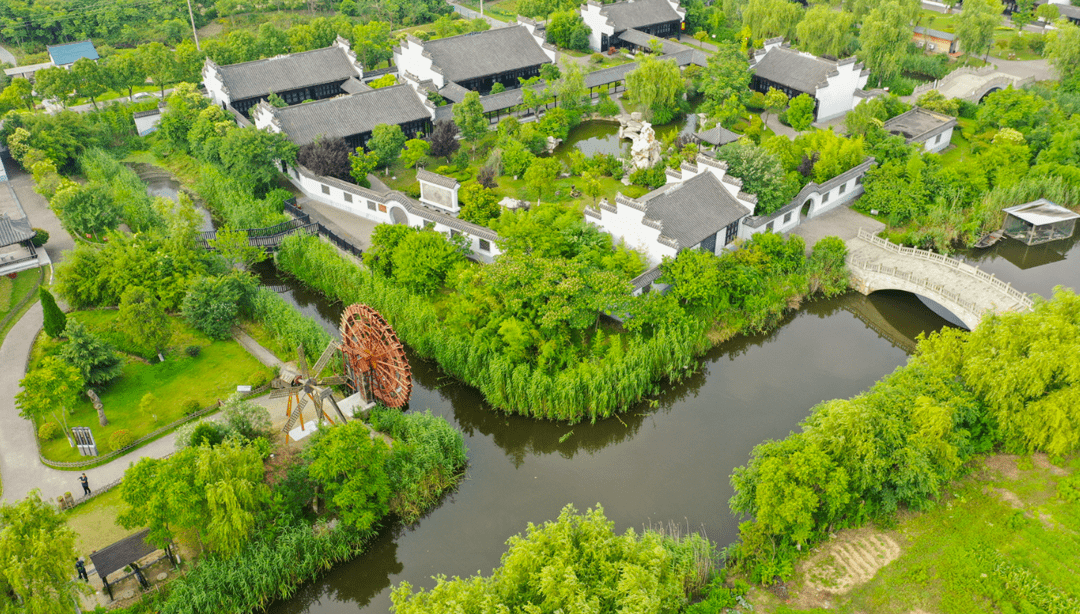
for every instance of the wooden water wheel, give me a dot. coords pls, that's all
(375, 362)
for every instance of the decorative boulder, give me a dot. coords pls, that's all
(645, 150)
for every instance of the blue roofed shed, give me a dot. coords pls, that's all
(64, 55)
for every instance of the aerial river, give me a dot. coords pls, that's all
(657, 463)
(666, 460)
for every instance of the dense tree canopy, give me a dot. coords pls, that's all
(38, 551)
(597, 570)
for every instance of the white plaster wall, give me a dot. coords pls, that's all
(408, 57)
(343, 44)
(626, 225)
(440, 197)
(933, 146)
(838, 97)
(382, 213)
(215, 87)
(264, 118)
(590, 14)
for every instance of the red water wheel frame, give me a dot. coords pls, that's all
(371, 347)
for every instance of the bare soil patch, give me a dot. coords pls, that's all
(1043, 462)
(1009, 497)
(844, 562)
(1004, 465)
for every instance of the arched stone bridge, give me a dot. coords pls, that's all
(965, 290)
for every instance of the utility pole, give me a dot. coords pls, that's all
(195, 32)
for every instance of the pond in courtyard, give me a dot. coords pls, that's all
(602, 136)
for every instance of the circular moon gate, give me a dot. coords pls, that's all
(375, 362)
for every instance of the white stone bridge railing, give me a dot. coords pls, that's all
(1024, 301)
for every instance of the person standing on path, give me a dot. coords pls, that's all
(85, 485)
(81, 568)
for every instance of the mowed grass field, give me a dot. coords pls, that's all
(1002, 541)
(213, 374)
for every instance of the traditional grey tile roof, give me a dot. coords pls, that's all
(918, 124)
(793, 69)
(641, 39)
(353, 85)
(647, 277)
(717, 136)
(14, 231)
(478, 54)
(122, 553)
(609, 75)
(639, 13)
(949, 36)
(346, 116)
(695, 209)
(437, 179)
(287, 72)
(453, 92)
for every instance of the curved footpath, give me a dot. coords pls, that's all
(20, 468)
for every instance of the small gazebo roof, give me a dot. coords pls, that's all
(1041, 212)
(14, 231)
(122, 553)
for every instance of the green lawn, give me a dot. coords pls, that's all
(12, 292)
(962, 147)
(212, 375)
(95, 525)
(957, 557)
(503, 11)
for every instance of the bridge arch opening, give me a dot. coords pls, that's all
(936, 310)
(988, 92)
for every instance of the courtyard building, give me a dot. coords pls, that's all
(309, 75)
(630, 24)
(349, 117)
(833, 84)
(919, 126)
(475, 61)
(700, 207)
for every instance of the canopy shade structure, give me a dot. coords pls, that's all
(1039, 221)
(121, 554)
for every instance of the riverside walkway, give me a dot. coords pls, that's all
(965, 290)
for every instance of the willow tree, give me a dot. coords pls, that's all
(37, 548)
(657, 87)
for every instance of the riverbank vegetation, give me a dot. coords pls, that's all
(577, 562)
(1002, 539)
(527, 330)
(1009, 385)
(1015, 148)
(274, 526)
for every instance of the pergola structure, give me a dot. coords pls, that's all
(118, 555)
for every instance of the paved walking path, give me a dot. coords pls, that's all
(20, 468)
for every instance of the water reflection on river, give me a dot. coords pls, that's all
(664, 462)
